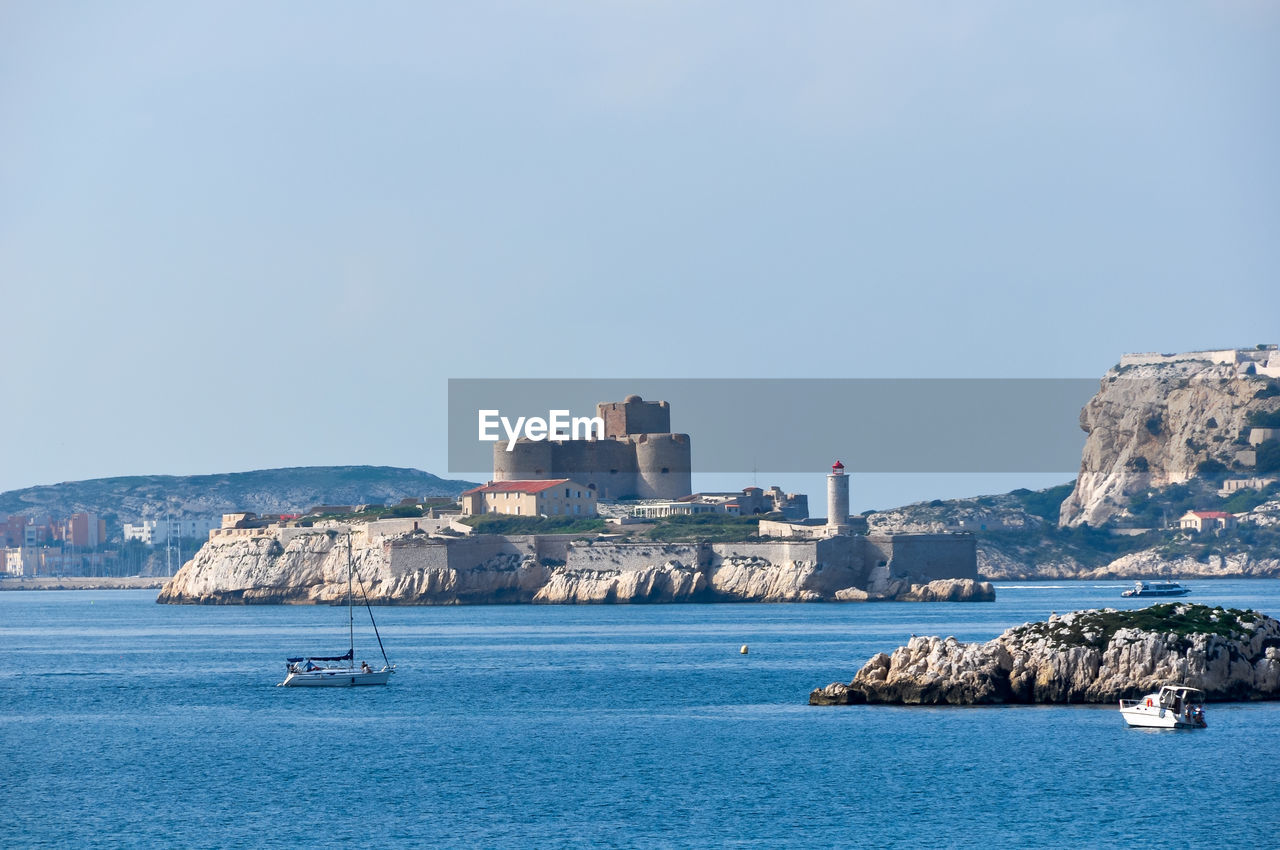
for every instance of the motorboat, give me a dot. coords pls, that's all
(340, 671)
(1156, 588)
(1172, 707)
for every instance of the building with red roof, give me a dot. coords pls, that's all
(549, 497)
(1198, 521)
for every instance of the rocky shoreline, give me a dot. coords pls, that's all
(1095, 656)
(312, 569)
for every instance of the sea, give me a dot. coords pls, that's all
(124, 723)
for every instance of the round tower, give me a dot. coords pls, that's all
(528, 460)
(838, 499)
(663, 466)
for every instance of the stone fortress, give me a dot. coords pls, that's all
(639, 457)
(441, 561)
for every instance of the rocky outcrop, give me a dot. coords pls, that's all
(310, 567)
(669, 582)
(1148, 563)
(1154, 563)
(1082, 657)
(1153, 425)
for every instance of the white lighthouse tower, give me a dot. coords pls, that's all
(837, 500)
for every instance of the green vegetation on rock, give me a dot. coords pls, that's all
(1096, 628)
(507, 524)
(709, 528)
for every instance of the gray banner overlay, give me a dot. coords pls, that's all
(803, 425)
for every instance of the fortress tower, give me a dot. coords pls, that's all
(639, 458)
(838, 500)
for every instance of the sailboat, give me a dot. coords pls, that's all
(340, 671)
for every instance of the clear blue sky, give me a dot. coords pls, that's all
(237, 236)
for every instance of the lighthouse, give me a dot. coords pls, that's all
(838, 500)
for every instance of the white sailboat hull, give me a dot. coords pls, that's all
(336, 678)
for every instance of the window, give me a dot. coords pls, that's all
(665, 470)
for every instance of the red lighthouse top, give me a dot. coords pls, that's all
(837, 468)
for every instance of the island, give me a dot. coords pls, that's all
(1094, 656)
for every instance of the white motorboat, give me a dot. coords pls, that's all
(1174, 707)
(340, 671)
(1156, 588)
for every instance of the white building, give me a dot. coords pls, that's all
(158, 532)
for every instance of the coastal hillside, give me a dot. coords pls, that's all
(265, 491)
(1159, 420)
(1017, 536)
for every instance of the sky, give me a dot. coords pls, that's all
(238, 236)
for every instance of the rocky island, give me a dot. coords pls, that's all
(308, 566)
(1095, 656)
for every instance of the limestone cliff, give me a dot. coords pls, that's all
(1081, 657)
(310, 567)
(1151, 425)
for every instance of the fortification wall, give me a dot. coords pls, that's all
(630, 556)
(399, 526)
(1227, 356)
(408, 554)
(606, 466)
(773, 551)
(929, 556)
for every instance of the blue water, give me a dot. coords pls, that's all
(126, 723)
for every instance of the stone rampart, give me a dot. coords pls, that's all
(630, 556)
(929, 556)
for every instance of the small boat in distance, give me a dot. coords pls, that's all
(1156, 588)
(1174, 707)
(339, 671)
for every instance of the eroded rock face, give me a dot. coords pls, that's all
(1152, 425)
(1082, 657)
(669, 582)
(311, 568)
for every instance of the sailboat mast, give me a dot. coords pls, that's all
(351, 614)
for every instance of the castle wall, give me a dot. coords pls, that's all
(1224, 357)
(606, 466)
(630, 556)
(823, 567)
(409, 554)
(927, 556)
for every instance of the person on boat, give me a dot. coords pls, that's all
(364, 667)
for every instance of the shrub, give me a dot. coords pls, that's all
(507, 524)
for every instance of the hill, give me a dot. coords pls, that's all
(265, 491)
(1159, 420)
(1018, 537)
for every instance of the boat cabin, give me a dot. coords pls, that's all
(1176, 698)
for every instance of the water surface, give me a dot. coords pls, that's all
(123, 722)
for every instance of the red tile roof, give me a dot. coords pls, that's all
(518, 486)
(1212, 514)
